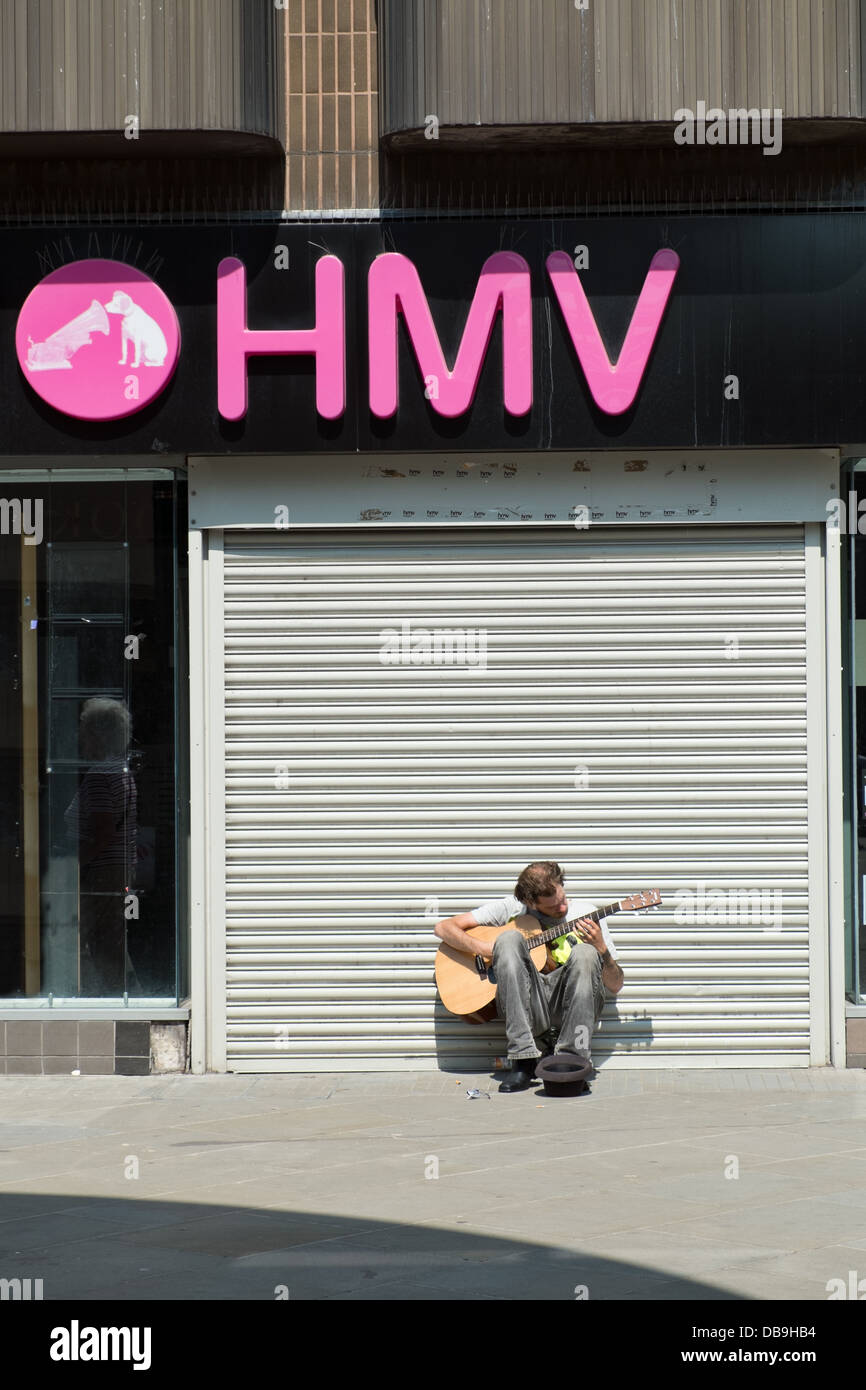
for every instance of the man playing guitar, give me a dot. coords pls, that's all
(568, 997)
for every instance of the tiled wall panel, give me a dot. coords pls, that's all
(332, 105)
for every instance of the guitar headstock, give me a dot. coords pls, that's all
(638, 901)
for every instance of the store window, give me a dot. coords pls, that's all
(91, 732)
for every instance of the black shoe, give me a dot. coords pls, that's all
(521, 1075)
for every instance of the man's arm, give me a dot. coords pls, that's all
(452, 930)
(611, 975)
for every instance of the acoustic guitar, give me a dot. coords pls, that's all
(467, 984)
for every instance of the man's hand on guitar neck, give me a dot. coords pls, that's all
(453, 931)
(590, 932)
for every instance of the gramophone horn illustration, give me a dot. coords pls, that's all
(55, 352)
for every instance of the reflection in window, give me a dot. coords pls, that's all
(102, 828)
(88, 791)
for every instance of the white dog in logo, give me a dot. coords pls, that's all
(144, 331)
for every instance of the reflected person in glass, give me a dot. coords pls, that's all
(102, 824)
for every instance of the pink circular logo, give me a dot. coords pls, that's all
(97, 339)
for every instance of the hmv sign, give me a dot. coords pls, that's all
(67, 350)
(404, 336)
(394, 288)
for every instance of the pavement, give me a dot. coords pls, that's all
(657, 1185)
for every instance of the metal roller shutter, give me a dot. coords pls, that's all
(641, 719)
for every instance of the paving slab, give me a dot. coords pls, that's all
(809, 1271)
(787, 1140)
(610, 1211)
(753, 1186)
(674, 1251)
(807, 1223)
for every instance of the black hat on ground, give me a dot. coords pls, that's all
(564, 1073)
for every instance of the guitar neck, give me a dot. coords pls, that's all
(565, 927)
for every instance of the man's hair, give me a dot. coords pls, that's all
(538, 880)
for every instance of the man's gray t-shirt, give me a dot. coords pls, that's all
(498, 911)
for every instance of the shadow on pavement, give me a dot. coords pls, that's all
(112, 1248)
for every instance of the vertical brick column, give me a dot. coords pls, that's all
(332, 105)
